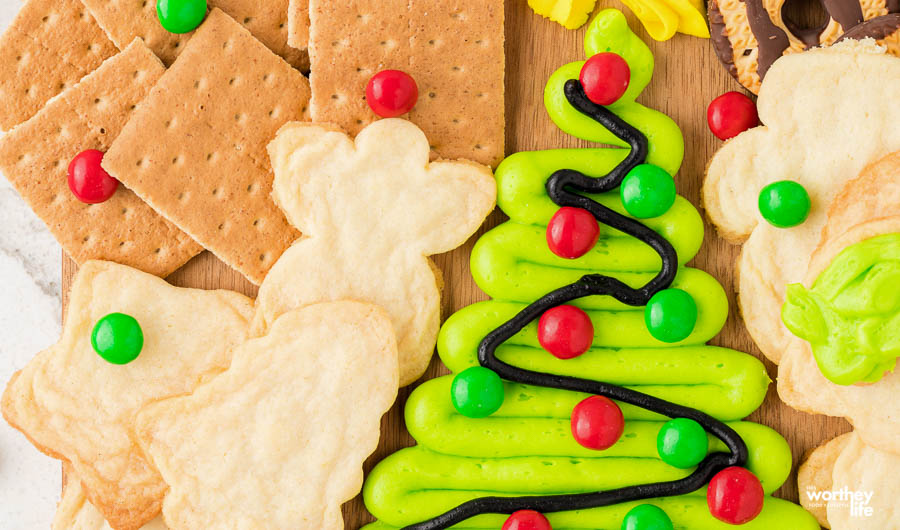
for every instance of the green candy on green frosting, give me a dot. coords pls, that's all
(851, 315)
(526, 447)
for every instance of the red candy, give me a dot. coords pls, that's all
(527, 520)
(89, 182)
(565, 331)
(391, 93)
(735, 496)
(731, 114)
(597, 423)
(605, 78)
(572, 232)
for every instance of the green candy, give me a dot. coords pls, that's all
(784, 203)
(647, 191)
(682, 443)
(180, 16)
(851, 315)
(671, 315)
(117, 338)
(646, 517)
(477, 392)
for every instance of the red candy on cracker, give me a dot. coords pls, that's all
(35, 157)
(454, 52)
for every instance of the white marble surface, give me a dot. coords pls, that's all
(29, 322)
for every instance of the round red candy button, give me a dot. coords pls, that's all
(597, 423)
(731, 114)
(89, 182)
(735, 496)
(527, 520)
(565, 331)
(572, 232)
(605, 78)
(391, 93)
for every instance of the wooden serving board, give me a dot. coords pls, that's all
(687, 77)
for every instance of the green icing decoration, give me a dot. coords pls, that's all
(851, 315)
(526, 446)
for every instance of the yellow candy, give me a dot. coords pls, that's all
(663, 18)
(570, 13)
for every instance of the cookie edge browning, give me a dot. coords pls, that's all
(375, 321)
(815, 471)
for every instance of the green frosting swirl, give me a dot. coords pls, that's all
(851, 315)
(526, 447)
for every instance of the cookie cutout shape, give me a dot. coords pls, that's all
(846, 464)
(864, 211)
(76, 513)
(278, 440)
(49, 47)
(821, 140)
(125, 20)
(454, 51)
(371, 211)
(210, 117)
(78, 408)
(90, 115)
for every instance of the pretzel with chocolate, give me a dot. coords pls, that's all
(749, 35)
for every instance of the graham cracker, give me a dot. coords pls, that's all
(298, 24)
(49, 47)
(453, 49)
(196, 150)
(35, 157)
(267, 20)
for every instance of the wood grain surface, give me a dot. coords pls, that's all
(686, 78)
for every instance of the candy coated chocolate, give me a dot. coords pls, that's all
(88, 181)
(477, 392)
(117, 338)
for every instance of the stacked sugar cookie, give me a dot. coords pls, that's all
(814, 195)
(141, 138)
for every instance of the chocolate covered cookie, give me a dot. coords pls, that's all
(749, 35)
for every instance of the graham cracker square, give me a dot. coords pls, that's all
(298, 24)
(35, 157)
(453, 49)
(49, 47)
(196, 150)
(267, 20)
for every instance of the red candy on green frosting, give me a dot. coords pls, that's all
(565, 331)
(526, 520)
(735, 496)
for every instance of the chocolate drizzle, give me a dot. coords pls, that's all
(772, 39)
(563, 187)
(846, 13)
(876, 28)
